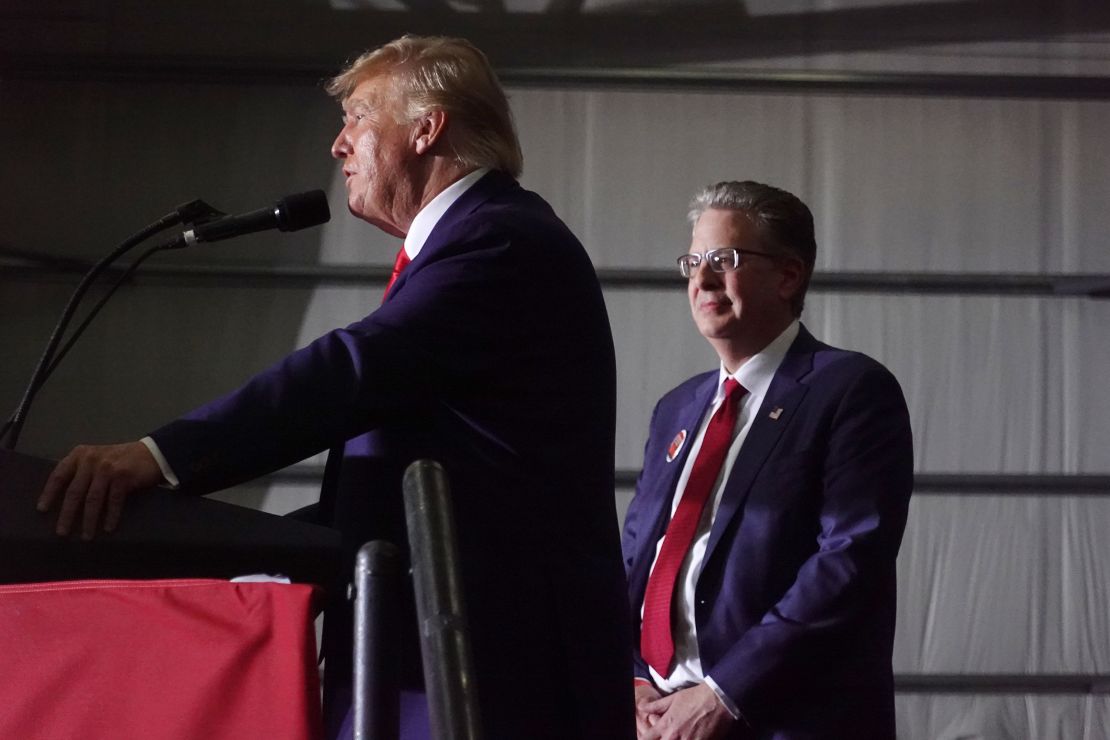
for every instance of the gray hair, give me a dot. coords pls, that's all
(448, 74)
(784, 223)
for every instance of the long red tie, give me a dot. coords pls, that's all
(399, 264)
(656, 640)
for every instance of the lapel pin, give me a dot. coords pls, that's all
(676, 445)
(776, 413)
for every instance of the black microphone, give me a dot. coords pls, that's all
(291, 213)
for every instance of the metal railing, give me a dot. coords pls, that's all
(441, 616)
(376, 690)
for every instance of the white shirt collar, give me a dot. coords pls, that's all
(428, 216)
(756, 374)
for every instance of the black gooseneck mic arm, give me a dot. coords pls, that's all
(291, 213)
(196, 210)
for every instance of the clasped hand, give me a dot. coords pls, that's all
(688, 714)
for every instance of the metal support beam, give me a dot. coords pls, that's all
(635, 34)
(925, 484)
(312, 276)
(1001, 683)
(155, 70)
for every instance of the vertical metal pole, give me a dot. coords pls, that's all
(376, 691)
(441, 614)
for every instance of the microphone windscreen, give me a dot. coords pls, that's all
(302, 210)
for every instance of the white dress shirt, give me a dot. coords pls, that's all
(428, 216)
(755, 375)
(419, 231)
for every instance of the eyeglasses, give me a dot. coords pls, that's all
(725, 259)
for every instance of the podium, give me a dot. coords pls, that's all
(162, 534)
(135, 634)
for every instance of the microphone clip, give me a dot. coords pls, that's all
(193, 214)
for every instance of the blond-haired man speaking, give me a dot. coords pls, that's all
(491, 354)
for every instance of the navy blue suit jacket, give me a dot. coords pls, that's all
(795, 604)
(492, 355)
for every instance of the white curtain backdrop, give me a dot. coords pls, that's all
(1014, 583)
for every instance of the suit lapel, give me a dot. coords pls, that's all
(783, 398)
(689, 421)
(661, 495)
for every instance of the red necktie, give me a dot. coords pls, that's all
(399, 264)
(656, 641)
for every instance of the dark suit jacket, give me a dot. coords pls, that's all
(795, 604)
(492, 355)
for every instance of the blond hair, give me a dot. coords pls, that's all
(452, 75)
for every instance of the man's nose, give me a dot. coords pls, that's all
(704, 275)
(340, 148)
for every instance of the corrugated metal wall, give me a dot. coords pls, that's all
(1009, 582)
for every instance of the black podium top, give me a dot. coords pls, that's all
(162, 534)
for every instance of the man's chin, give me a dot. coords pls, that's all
(357, 207)
(356, 204)
(715, 329)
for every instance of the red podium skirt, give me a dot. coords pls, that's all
(158, 660)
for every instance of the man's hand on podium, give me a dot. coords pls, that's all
(91, 478)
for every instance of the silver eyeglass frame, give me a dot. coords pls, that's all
(720, 260)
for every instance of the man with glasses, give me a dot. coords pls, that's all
(760, 546)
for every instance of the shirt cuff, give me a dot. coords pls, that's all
(163, 464)
(725, 700)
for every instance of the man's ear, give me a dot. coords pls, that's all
(793, 277)
(430, 128)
